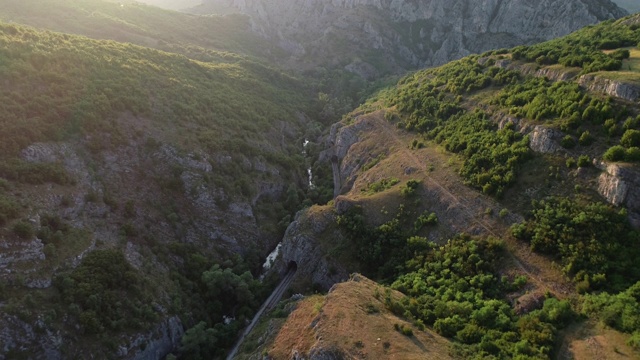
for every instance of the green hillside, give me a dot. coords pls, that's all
(60, 85)
(460, 108)
(131, 21)
(149, 160)
(104, 97)
(478, 121)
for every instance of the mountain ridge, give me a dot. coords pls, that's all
(409, 34)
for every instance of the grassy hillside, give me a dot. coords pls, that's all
(352, 321)
(143, 149)
(137, 23)
(519, 289)
(58, 85)
(458, 107)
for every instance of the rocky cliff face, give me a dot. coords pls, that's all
(392, 35)
(553, 73)
(620, 89)
(620, 185)
(154, 190)
(305, 243)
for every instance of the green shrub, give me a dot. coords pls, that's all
(34, 173)
(380, 186)
(634, 340)
(92, 197)
(50, 251)
(107, 292)
(631, 123)
(9, 209)
(4, 185)
(586, 138)
(615, 153)
(425, 219)
(620, 311)
(371, 309)
(632, 154)
(410, 188)
(470, 334)
(519, 282)
(568, 142)
(449, 326)
(407, 331)
(631, 138)
(404, 330)
(129, 210)
(584, 161)
(620, 54)
(129, 230)
(23, 229)
(556, 312)
(591, 239)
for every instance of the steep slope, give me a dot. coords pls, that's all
(371, 38)
(356, 308)
(126, 173)
(536, 146)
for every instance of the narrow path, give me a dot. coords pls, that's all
(271, 301)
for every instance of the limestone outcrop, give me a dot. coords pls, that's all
(305, 242)
(620, 89)
(406, 34)
(620, 185)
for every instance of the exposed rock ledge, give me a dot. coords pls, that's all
(541, 139)
(303, 243)
(592, 82)
(545, 140)
(625, 91)
(342, 136)
(553, 73)
(620, 185)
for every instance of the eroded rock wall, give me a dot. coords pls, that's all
(408, 34)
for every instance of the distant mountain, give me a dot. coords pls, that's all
(173, 4)
(632, 6)
(373, 37)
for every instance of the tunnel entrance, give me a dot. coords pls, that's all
(292, 266)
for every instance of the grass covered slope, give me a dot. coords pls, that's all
(134, 22)
(533, 128)
(354, 321)
(151, 162)
(61, 85)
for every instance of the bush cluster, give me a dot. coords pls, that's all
(595, 242)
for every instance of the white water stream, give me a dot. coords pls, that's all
(271, 258)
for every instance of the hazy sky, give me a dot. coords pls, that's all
(631, 5)
(173, 4)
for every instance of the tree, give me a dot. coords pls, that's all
(200, 342)
(630, 138)
(586, 138)
(615, 153)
